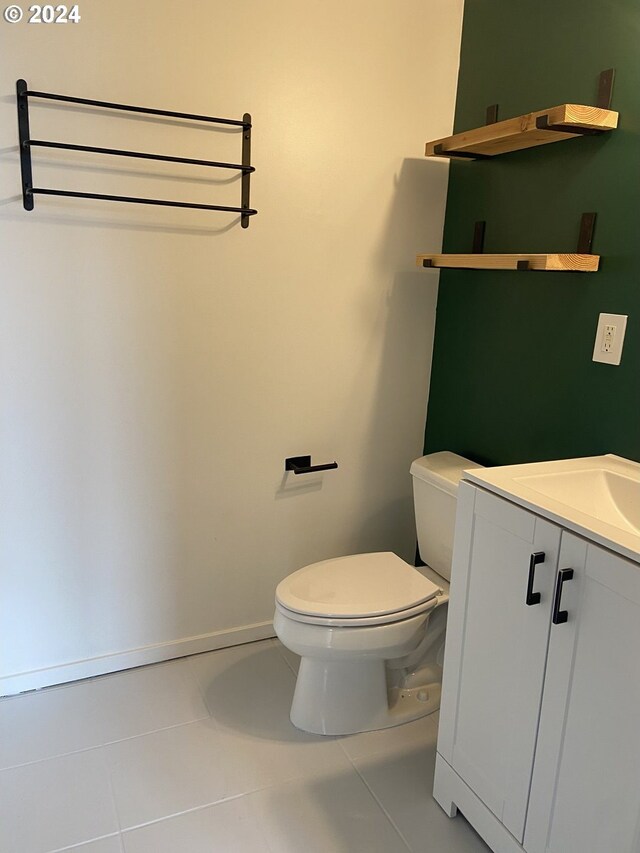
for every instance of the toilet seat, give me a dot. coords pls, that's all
(361, 621)
(358, 590)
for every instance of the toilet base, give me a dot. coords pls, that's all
(412, 703)
(347, 697)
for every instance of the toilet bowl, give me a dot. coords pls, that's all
(369, 628)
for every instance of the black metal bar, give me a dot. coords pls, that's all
(542, 123)
(23, 137)
(492, 114)
(427, 262)
(465, 155)
(67, 146)
(246, 177)
(535, 559)
(585, 237)
(478, 237)
(133, 200)
(523, 265)
(131, 109)
(605, 88)
(302, 465)
(560, 616)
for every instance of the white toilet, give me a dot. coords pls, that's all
(369, 628)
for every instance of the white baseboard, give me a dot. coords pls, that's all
(76, 670)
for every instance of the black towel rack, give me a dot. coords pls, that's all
(23, 94)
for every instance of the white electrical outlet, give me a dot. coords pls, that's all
(609, 338)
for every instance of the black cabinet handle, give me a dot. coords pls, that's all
(302, 465)
(560, 616)
(534, 560)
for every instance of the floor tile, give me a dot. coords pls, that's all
(47, 723)
(249, 691)
(330, 815)
(395, 740)
(56, 803)
(168, 772)
(403, 785)
(146, 699)
(201, 757)
(229, 827)
(252, 763)
(73, 717)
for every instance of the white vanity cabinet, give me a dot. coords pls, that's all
(585, 792)
(539, 742)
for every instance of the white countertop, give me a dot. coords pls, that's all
(597, 497)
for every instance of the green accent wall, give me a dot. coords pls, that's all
(512, 378)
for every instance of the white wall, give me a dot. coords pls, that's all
(158, 365)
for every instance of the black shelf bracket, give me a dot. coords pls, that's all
(463, 155)
(605, 88)
(584, 247)
(492, 114)
(26, 144)
(477, 247)
(585, 236)
(542, 123)
(603, 102)
(491, 118)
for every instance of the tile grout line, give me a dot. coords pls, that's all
(199, 808)
(122, 830)
(285, 659)
(368, 787)
(227, 799)
(231, 798)
(201, 690)
(379, 803)
(89, 841)
(247, 793)
(71, 684)
(107, 743)
(107, 764)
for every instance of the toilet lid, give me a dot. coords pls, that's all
(356, 586)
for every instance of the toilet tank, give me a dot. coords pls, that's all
(435, 489)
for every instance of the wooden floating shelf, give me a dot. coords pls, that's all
(549, 262)
(526, 131)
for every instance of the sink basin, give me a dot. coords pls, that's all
(606, 495)
(595, 496)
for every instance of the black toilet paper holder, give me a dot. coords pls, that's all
(302, 465)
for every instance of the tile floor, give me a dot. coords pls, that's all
(198, 756)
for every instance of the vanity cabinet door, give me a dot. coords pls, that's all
(585, 794)
(496, 649)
